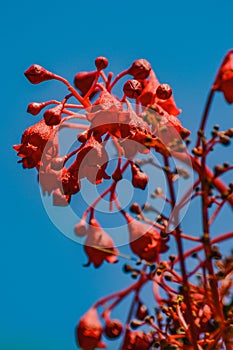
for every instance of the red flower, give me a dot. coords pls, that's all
(145, 240)
(170, 128)
(224, 79)
(37, 74)
(89, 331)
(33, 143)
(134, 135)
(148, 96)
(97, 237)
(137, 341)
(92, 161)
(70, 183)
(49, 179)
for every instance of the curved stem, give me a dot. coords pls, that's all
(205, 114)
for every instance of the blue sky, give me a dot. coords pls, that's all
(44, 288)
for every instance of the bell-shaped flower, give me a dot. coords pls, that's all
(145, 240)
(33, 142)
(92, 161)
(149, 97)
(224, 79)
(99, 246)
(137, 341)
(70, 183)
(89, 331)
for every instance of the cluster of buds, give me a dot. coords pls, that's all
(144, 119)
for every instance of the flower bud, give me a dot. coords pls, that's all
(53, 115)
(89, 331)
(164, 91)
(142, 311)
(135, 208)
(97, 242)
(139, 178)
(101, 62)
(113, 329)
(37, 74)
(80, 228)
(84, 80)
(82, 137)
(145, 240)
(132, 88)
(140, 69)
(34, 108)
(69, 180)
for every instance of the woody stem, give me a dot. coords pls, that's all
(186, 291)
(205, 114)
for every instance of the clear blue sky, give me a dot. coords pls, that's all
(44, 288)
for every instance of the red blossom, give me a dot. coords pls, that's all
(136, 341)
(37, 74)
(97, 237)
(49, 179)
(224, 79)
(89, 331)
(148, 96)
(70, 183)
(145, 240)
(92, 161)
(33, 143)
(170, 128)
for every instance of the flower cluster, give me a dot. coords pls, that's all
(143, 120)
